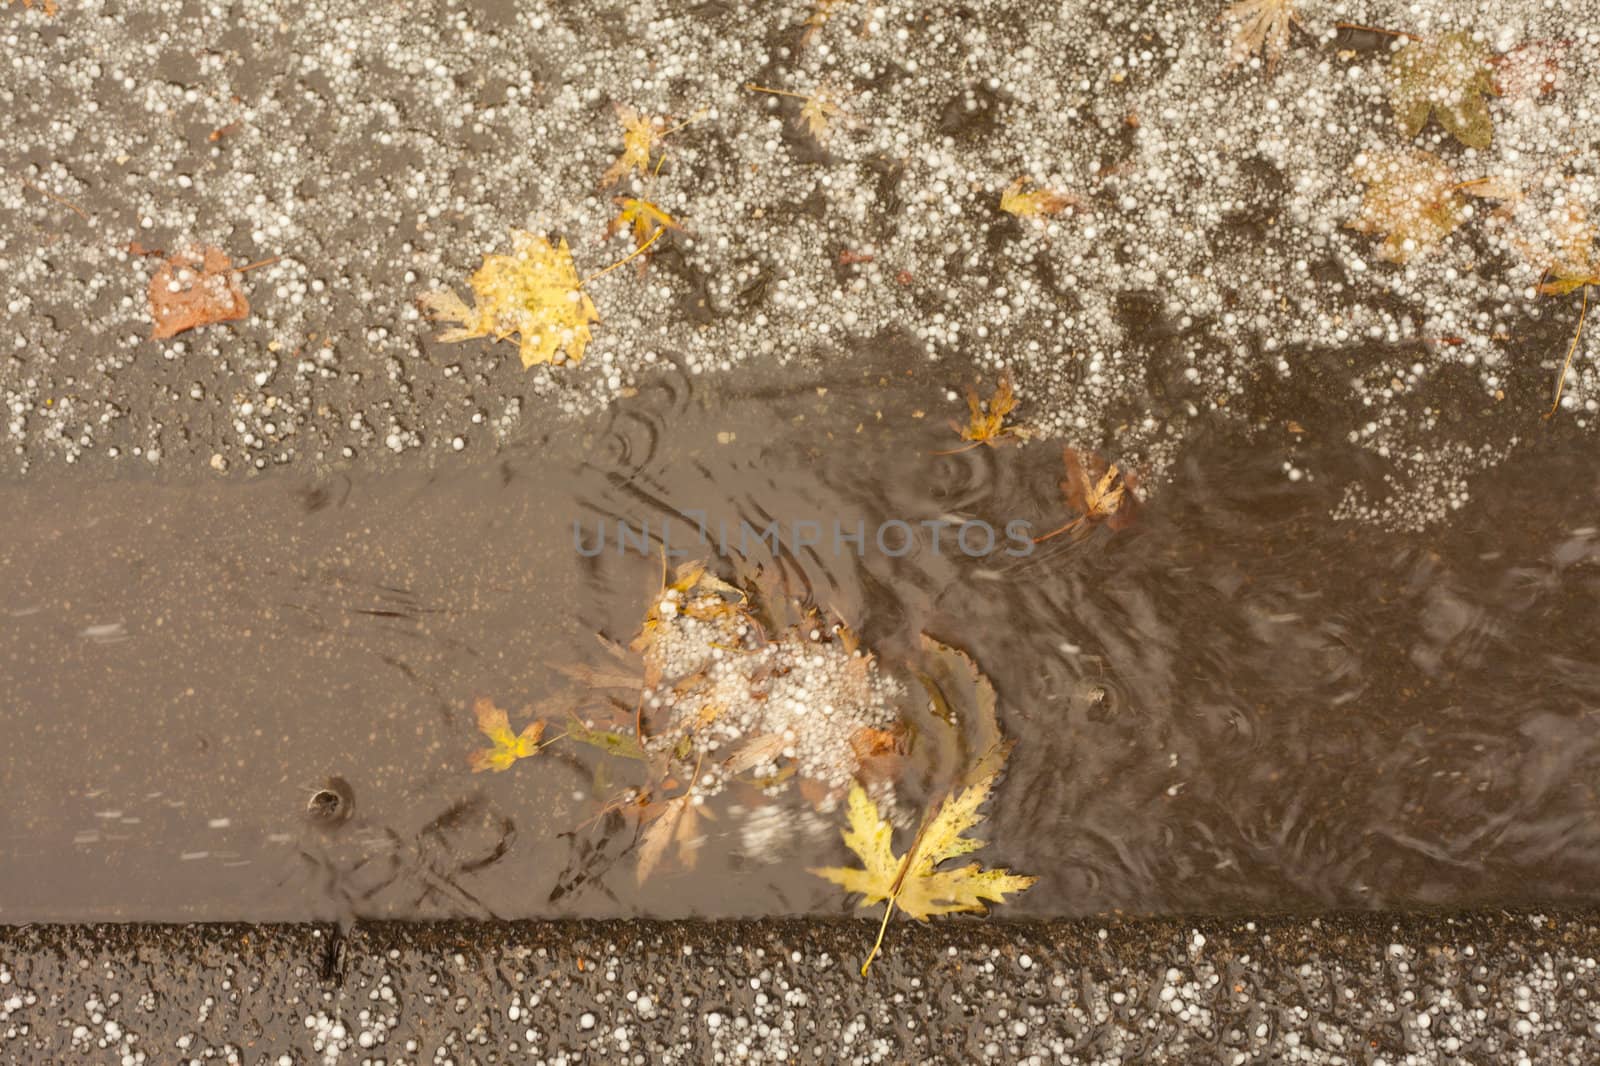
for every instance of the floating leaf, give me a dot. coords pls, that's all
(1260, 25)
(508, 746)
(965, 704)
(1035, 204)
(535, 291)
(914, 882)
(1099, 491)
(1449, 78)
(195, 287)
(1411, 198)
(986, 424)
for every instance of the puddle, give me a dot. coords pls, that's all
(253, 700)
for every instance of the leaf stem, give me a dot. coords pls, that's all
(878, 943)
(1058, 530)
(753, 87)
(1376, 29)
(645, 247)
(62, 200)
(1562, 380)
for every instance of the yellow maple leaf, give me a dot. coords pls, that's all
(818, 109)
(640, 135)
(508, 746)
(535, 291)
(1037, 203)
(914, 882)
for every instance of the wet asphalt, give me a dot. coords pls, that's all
(1360, 988)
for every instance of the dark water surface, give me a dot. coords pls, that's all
(1234, 703)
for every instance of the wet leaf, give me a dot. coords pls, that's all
(1529, 70)
(644, 218)
(1260, 25)
(49, 7)
(640, 135)
(986, 423)
(1036, 203)
(1412, 199)
(508, 747)
(1099, 491)
(678, 822)
(608, 741)
(819, 109)
(820, 14)
(195, 287)
(754, 752)
(535, 291)
(914, 881)
(964, 699)
(1449, 78)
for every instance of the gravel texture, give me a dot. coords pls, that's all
(1370, 989)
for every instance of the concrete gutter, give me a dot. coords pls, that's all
(1351, 988)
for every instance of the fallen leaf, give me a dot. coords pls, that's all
(964, 702)
(608, 741)
(1035, 204)
(986, 423)
(1529, 70)
(818, 109)
(914, 882)
(508, 746)
(1260, 25)
(1101, 494)
(640, 135)
(1411, 198)
(49, 7)
(677, 822)
(820, 14)
(1449, 78)
(645, 219)
(535, 291)
(195, 287)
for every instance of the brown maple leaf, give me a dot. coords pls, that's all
(1412, 198)
(195, 287)
(1099, 491)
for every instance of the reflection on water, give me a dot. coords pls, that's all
(254, 699)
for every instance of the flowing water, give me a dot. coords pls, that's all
(251, 698)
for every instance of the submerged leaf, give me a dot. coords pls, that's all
(535, 291)
(612, 743)
(1035, 204)
(195, 287)
(1411, 198)
(1449, 78)
(508, 746)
